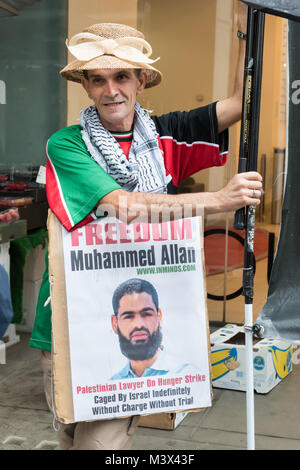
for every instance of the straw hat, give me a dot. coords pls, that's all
(109, 46)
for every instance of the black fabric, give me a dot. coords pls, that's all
(280, 317)
(192, 126)
(286, 8)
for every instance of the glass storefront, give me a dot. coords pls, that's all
(197, 45)
(33, 103)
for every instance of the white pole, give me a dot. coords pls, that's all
(249, 376)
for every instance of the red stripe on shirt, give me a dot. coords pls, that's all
(125, 147)
(54, 197)
(183, 160)
(89, 218)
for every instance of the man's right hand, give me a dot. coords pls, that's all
(244, 189)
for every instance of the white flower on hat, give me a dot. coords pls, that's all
(87, 46)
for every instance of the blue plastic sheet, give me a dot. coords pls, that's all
(6, 310)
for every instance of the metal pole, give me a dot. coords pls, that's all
(248, 162)
(249, 378)
(248, 278)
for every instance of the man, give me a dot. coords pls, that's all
(137, 322)
(93, 165)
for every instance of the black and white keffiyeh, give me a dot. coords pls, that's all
(144, 170)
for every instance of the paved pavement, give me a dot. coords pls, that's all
(27, 424)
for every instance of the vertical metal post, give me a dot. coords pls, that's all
(249, 378)
(248, 162)
(248, 277)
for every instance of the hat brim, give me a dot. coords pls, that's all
(74, 70)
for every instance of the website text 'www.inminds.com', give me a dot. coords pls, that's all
(166, 269)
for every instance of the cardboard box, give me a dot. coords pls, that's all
(33, 274)
(272, 360)
(167, 421)
(31, 291)
(35, 264)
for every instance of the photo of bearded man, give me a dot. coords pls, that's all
(137, 321)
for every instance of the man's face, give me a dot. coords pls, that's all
(138, 326)
(114, 93)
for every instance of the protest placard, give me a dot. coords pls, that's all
(130, 330)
